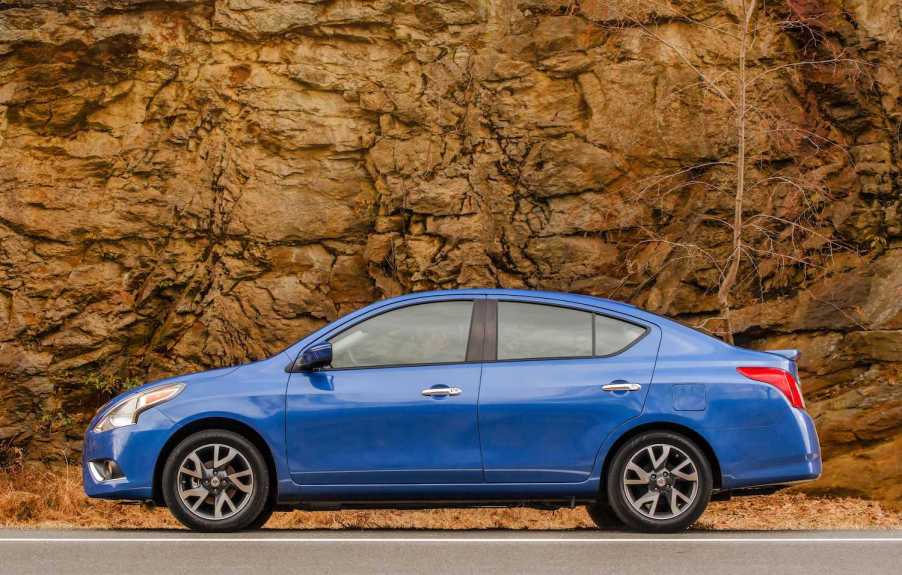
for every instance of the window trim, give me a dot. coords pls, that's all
(493, 344)
(490, 343)
(476, 301)
(476, 337)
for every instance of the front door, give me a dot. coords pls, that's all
(562, 380)
(397, 406)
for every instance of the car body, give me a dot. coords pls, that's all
(501, 402)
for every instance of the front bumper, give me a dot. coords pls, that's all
(135, 449)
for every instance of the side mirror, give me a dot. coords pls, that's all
(320, 355)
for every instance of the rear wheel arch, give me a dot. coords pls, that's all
(205, 424)
(688, 432)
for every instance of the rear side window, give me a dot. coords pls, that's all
(533, 331)
(612, 335)
(418, 334)
(527, 330)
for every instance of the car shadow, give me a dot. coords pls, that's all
(494, 530)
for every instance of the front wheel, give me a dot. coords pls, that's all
(216, 480)
(659, 482)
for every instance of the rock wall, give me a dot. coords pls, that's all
(193, 183)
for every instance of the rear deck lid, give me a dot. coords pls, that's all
(790, 354)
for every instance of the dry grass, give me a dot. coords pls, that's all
(36, 497)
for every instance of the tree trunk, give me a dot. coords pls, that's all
(729, 278)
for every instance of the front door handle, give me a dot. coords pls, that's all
(621, 386)
(441, 391)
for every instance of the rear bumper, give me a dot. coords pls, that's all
(134, 448)
(777, 455)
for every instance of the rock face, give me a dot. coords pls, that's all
(194, 183)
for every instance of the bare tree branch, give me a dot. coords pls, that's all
(800, 64)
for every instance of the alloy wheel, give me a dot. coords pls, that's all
(215, 481)
(660, 481)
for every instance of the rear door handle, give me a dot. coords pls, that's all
(441, 391)
(621, 386)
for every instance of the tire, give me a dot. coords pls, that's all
(261, 519)
(217, 481)
(603, 515)
(645, 474)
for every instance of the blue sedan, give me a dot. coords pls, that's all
(466, 398)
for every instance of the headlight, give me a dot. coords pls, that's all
(127, 412)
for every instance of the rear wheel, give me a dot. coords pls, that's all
(659, 481)
(217, 480)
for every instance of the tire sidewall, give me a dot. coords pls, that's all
(633, 518)
(260, 497)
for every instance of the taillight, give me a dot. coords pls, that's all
(779, 378)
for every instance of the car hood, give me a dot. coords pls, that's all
(186, 379)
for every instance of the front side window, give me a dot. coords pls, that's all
(527, 330)
(417, 334)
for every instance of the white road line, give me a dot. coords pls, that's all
(502, 540)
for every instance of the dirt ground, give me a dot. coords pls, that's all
(54, 498)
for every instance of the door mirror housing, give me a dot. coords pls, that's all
(315, 357)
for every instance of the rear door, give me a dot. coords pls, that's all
(398, 404)
(561, 379)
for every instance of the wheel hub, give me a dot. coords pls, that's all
(660, 481)
(215, 481)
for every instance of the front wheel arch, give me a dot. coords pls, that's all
(662, 426)
(233, 425)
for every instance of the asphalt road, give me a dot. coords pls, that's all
(433, 552)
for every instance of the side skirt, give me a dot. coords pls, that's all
(429, 495)
(548, 505)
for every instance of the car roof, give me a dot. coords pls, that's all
(668, 325)
(553, 295)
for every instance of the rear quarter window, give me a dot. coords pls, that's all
(614, 335)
